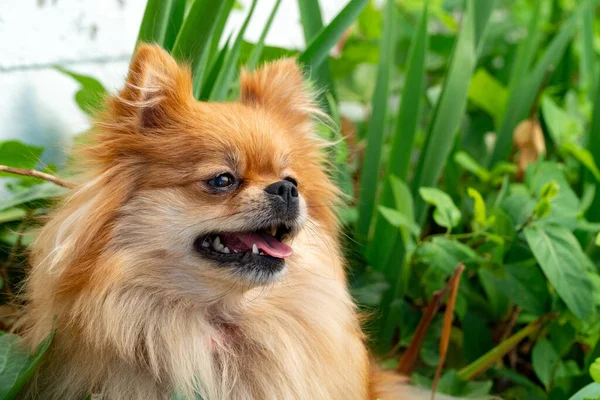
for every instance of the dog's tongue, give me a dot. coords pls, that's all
(267, 243)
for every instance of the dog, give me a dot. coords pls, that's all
(199, 257)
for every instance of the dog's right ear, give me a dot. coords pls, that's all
(156, 88)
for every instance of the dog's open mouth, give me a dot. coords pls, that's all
(230, 246)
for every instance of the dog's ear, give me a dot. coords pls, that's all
(156, 87)
(278, 86)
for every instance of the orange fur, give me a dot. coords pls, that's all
(138, 315)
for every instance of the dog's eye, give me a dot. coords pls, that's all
(292, 180)
(223, 181)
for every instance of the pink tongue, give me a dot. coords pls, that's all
(267, 243)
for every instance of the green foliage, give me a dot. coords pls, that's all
(16, 364)
(444, 84)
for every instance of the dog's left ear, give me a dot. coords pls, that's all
(280, 87)
(156, 89)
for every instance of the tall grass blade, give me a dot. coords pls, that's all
(218, 29)
(210, 55)
(312, 23)
(377, 126)
(384, 234)
(525, 91)
(174, 23)
(593, 213)
(588, 53)
(452, 104)
(223, 82)
(195, 31)
(155, 21)
(214, 72)
(319, 48)
(258, 48)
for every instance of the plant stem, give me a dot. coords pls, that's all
(488, 359)
(37, 174)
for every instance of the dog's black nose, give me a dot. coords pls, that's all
(287, 191)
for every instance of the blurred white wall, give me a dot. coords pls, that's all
(92, 37)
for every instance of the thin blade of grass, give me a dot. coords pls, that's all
(174, 23)
(318, 50)
(258, 48)
(593, 145)
(523, 96)
(155, 21)
(588, 54)
(377, 126)
(214, 72)
(384, 234)
(195, 32)
(484, 362)
(312, 23)
(210, 55)
(223, 82)
(451, 106)
(218, 29)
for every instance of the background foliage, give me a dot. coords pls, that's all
(469, 135)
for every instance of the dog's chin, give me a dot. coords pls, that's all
(253, 257)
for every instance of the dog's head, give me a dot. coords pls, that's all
(215, 191)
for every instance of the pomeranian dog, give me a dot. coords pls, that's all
(199, 258)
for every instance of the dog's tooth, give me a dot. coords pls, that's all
(254, 249)
(205, 243)
(217, 241)
(261, 254)
(217, 245)
(235, 251)
(225, 250)
(273, 230)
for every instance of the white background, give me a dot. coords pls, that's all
(93, 37)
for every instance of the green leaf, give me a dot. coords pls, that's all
(90, 96)
(451, 106)
(488, 94)
(595, 370)
(524, 284)
(565, 205)
(593, 145)
(400, 220)
(258, 48)
(155, 21)
(444, 255)
(312, 24)
(563, 128)
(177, 13)
(590, 392)
(225, 78)
(19, 155)
(446, 213)
(468, 163)
(524, 89)
(44, 190)
(545, 361)
(211, 79)
(377, 126)
(10, 215)
(588, 51)
(584, 157)
(17, 366)
(318, 50)
(196, 30)
(559, 254)
(479, 209)
(394, 189)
